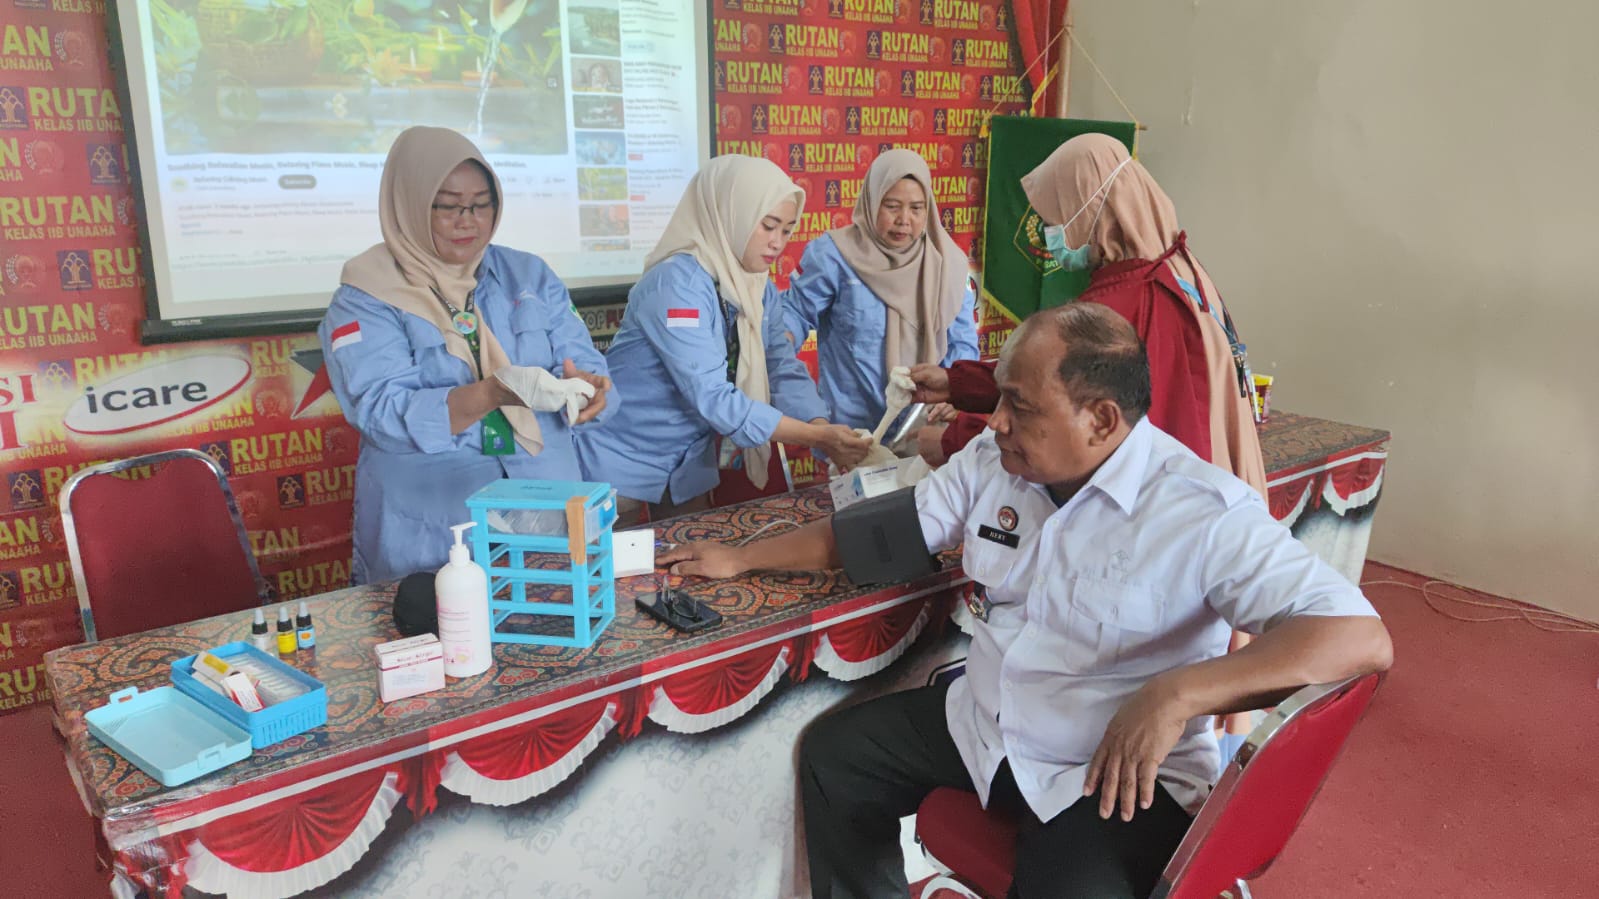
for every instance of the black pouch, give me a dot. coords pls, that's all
(416, 609)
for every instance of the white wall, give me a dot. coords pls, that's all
(1400, 202)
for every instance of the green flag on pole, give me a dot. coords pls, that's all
(1019, 276)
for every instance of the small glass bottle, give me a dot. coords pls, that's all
(258, 632)
(305, 631)
(286, 639)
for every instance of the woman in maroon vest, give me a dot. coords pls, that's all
(1105, 213)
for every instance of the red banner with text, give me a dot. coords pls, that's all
(818, 86)
(76, 386)
(821, 87)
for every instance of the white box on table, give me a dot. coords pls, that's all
(634, 552)
(866, 482)
(409, 667)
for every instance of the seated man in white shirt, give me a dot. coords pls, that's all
(1116, 564)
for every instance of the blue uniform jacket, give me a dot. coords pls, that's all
(669, 362)
(413, 476)
(851, 326)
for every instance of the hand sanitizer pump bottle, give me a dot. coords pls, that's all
(462, 588)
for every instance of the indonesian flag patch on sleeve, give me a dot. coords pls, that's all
(682, 318)
(345, 335)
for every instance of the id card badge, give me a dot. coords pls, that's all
(728, 456)
(498, 438)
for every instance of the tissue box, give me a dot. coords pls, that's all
(867, 482)
(409, 667)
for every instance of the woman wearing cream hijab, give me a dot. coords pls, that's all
(890, 289)
(702, 354)
(444, 351)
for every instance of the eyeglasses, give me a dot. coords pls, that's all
(453, 211)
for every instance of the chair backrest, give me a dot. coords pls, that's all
(156, 540)
(1266, 789)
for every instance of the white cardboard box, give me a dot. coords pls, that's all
(634, 552)
(409, 667)
(865, 483)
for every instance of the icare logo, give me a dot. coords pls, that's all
(156, 395)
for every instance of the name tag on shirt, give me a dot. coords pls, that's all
(998, 536)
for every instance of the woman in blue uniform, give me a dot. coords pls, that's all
(443, 351)
(702, 352)
(889, 289)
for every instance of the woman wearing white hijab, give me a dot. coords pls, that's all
(442, 350)
(890, 289)
(702, 352)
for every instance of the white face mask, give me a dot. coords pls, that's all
(1080, 259)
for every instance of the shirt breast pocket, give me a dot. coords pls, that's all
(857, 313)
(991, 565)
(438, 367)
(1115, 626)
(531, 343)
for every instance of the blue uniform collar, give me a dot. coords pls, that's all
(488, 269)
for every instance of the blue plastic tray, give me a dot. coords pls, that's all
(169, 736)
(276, 722)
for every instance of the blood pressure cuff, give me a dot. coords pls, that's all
(880, 540)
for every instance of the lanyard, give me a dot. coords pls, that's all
(497, 434)
(730, 334)
(465, 322)
(1246, 378)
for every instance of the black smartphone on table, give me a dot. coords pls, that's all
(679, 610)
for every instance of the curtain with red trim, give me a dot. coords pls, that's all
(287, 834)
(518, 751)
(1344, 487)
(872, 635)
(709, 688)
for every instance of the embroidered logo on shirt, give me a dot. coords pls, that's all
(1120, 561)
(345, 335)
(682, 318)
(1007, 518)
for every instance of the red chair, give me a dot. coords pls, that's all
(1242, 828)
(156, 540)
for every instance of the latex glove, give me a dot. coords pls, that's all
(845, 448)
(543, 392)
(874, 452)
(897, 395)
(901, 387)
(602, 386)
(932, 383)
